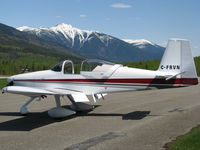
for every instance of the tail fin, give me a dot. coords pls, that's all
(178, 59)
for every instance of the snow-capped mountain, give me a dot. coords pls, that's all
(145, 45)
(96, 44)
(63, 34)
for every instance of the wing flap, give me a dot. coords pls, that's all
(63, 91)
(80, 97)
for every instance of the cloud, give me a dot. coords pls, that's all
(196, 50)
(121, 5)
(58, 17)
(83, 15)
(164, 44)
(134, 18)
(107, 19)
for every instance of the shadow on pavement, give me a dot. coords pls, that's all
(135, 115)
(28, 122)
(40, 119)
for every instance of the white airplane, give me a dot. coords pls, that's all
(177, 69)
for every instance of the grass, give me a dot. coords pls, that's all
(189, 141)
(3, 83)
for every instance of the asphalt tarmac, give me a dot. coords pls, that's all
(141, 120)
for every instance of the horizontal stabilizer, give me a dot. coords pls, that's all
(170, 76)
(173, 76)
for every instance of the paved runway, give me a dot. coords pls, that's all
(142, 120)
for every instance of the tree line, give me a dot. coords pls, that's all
(154, 64)
(35, 62)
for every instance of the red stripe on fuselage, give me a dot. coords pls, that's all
(184, 81)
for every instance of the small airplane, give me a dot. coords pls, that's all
(98, 78)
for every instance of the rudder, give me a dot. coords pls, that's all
(177, 59)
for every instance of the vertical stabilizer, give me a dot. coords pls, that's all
(177, 59)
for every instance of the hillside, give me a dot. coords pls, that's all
(19, 50)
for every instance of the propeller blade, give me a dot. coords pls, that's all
(10, 83)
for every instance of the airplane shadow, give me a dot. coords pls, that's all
(27, 122)
(40, 119)
(135, 115)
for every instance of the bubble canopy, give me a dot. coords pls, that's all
(95, 65)
(89, 65)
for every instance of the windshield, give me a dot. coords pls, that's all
(58, 67)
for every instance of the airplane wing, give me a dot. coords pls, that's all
(30, 91)
(27, 91)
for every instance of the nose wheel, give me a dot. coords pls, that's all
(24, 108)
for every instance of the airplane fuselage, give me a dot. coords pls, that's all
(123, 79)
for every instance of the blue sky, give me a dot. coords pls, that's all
(154, 20)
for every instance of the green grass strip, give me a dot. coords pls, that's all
(189, 141)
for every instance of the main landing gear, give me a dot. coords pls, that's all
(59, 111)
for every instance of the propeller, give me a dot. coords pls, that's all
(11, 83)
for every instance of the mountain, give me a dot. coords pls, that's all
(146, 46)
(12, 40)
(96, 44)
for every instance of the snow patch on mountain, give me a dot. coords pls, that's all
(141, 43)
(25, 28)
(67, 31)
